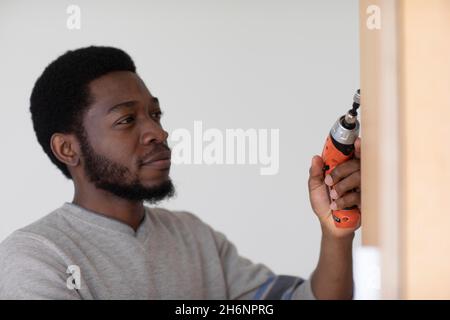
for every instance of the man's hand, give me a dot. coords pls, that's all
(345, 177)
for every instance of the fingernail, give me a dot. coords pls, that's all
(333, 206)
(333, 194)
(328, 180)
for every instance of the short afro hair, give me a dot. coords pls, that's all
(61, 96)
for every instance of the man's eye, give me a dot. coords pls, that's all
(126, 120)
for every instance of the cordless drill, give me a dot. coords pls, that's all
(339, 147)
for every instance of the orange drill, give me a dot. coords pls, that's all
(339, 147)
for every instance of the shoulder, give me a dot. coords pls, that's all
(32, 267)
(34, 241)
(29, 264)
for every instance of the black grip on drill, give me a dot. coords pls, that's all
(346, 149)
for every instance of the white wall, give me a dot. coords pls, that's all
(291, 65)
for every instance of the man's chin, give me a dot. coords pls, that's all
(160, 191)
(148, 171)
(154, 192)
(156, 180)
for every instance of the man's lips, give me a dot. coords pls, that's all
(158, 164)
(160, 160)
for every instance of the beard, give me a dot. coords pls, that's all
(117, 179)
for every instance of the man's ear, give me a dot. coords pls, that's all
(66, 149)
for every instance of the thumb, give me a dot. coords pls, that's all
(316, 176)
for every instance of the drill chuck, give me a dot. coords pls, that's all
(343, 133)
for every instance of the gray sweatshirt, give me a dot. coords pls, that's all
(74, 253)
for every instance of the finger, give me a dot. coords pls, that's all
(358, 148)
(342, 170)
(348, 200)
(315, 173)
(353, 181)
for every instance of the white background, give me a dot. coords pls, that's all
(291, 65)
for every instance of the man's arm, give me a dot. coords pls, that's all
(333, 276)
(255, 281)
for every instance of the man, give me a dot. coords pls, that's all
(100, 125)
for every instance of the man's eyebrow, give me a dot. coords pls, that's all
(128, 104)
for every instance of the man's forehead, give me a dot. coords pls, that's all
(115, 86)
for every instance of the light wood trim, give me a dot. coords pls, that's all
(405, 115)
(425, 107)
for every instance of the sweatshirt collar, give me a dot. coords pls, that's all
(105, 222)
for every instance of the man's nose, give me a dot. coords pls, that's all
(153, 132)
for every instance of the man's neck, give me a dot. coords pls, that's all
(125, 211)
